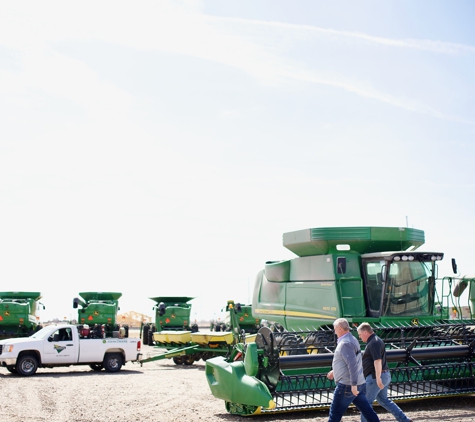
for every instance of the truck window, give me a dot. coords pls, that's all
(63, 334)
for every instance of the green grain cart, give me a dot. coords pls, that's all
(18, 314)
(98, 311)
(364, 274)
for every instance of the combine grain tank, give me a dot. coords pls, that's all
(99, 312)
(18, 314)
(372, 274)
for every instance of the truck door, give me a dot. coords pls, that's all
(60, 347)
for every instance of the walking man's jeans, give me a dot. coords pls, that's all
(343, 397)
(381, 396)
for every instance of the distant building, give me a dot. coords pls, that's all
(133, 319)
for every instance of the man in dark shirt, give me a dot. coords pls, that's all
(376, 372)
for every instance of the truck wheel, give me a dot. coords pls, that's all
(26, 365)
(178, 360)
(112, 362)
(96, 366)
(12, 369)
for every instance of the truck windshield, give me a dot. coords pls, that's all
(409, 288)
(43, 333)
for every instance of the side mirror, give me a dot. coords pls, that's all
(384, 273)
(454, 266)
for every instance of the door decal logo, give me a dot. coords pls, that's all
(58, 348)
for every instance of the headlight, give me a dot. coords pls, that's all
(8, 348)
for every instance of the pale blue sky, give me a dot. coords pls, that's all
(163, 148)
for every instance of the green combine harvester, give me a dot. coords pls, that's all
(18, 316)
(364, 274)
(99, 312)
(247, 322)
(171, 313)
(187, 347)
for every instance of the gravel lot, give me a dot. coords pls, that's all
(161, 391)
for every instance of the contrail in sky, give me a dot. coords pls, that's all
(426, 45)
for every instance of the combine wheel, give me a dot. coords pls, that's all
(150, 337)
(113, 362)
(178, 360)
(26, 365)
(96, 366)
(12, 369)
(146, 328)
(188, 360)
(240, 409)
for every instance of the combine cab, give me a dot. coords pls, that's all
(98, 313)
(171, 313)
(18, 314)
(372, 274)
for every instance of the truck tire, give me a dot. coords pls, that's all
(96, 366)
(26, 365)
(112, 362)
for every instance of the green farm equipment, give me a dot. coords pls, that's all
(98, 313)
(364, 274)
(18, 314)
(186, 347)
(246, 321)
(172, 313)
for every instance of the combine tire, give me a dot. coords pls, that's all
(113, 362)
(150, 338)
(96, 366)
(146, 328)
(26, 365)
(12, 369)
(178, 360)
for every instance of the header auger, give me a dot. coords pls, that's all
(372, 274)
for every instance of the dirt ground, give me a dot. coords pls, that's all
(161, 391)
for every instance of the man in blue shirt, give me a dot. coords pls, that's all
(347, 371)
(376, 372)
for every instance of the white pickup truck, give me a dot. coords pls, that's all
(62, 346)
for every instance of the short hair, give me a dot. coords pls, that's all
(364, 326)
(342, 323)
